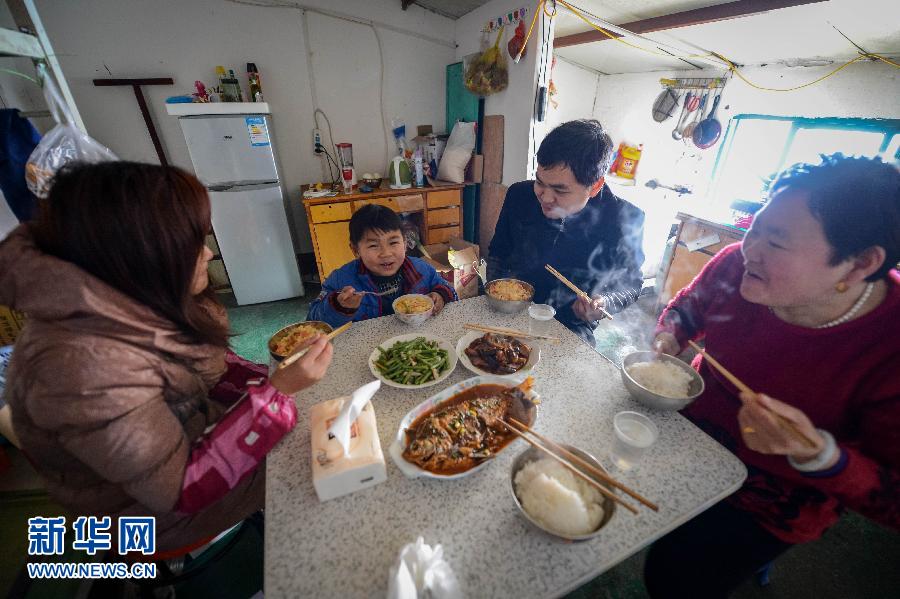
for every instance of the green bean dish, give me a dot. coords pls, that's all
(413, 362)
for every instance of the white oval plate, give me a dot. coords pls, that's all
(533, 358)
(396, 448)
(451, 357)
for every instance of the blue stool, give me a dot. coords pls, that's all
(762, 575)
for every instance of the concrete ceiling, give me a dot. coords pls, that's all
(452, 8)
(798, 35)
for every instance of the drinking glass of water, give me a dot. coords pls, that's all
(540, 319)
(635, 434)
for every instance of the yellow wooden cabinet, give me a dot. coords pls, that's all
(437, 211)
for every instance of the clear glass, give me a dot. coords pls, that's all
(635, 434)
(540, 319)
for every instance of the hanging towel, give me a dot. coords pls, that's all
(18, 138)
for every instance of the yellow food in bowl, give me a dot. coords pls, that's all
(510, 291)
(296, 337)
(413, 304)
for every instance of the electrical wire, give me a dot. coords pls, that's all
(384, 125)
(22, 75)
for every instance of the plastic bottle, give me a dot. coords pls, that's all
(256, 94)
(236, 91)
(420, 171)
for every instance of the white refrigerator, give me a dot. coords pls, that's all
(234, 158)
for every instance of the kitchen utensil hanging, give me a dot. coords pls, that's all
(690, 105)
(707, 131)
(688, 130)
(665, 105)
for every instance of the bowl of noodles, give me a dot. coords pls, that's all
(290, 338)
(509, 295)
(413, 308)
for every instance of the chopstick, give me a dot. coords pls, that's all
(293, 358)
(510, 332)
(782, 421)
(568, 466)
(586, 465)
(574, 288)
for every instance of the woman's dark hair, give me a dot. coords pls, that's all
(372, 217)
(857, 200)
(139, 228)
(581, 145)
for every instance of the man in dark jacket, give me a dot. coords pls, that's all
(569, 218)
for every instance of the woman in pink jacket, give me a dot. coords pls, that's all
(123, 391)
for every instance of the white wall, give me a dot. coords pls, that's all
(577, 89)
(516, 102)
(185, 40)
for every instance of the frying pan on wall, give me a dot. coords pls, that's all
(665, 105)
(707, 131)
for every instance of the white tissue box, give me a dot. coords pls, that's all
(335, 474)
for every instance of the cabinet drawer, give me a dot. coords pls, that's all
(442, 217)
(444, 234)
(329, 213)
(450, 197)
(410, 203)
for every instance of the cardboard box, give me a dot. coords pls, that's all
(11, 323)
(458, 267)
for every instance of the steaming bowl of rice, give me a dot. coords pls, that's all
(554, 500)
(661, 382)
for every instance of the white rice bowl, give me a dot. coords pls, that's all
(661, 378)
(557, 499)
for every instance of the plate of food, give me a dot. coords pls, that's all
(455, 433)
(285, 341)
(492, 354)
(412, 361)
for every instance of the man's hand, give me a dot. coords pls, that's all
(589, 310)
(438, 302)
(349, 298)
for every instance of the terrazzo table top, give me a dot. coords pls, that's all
(346, 547)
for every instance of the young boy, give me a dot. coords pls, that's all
(381, 268)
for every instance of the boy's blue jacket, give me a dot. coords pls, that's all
(418, 277)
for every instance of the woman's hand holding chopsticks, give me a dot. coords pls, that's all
(307, 370)
(762, 431)
(666, 343)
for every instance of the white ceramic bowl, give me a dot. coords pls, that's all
(655, 400)
(399, 443)
(418, 318)
(533, 358)
(451, 359)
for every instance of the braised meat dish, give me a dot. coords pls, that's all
(498, 354)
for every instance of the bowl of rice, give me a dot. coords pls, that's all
(660, 381)
(509, 295)
(556, 501)
(413, 308)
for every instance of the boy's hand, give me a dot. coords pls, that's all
(438, 302)
(349, 298)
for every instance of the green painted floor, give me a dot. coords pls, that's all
(856, 559)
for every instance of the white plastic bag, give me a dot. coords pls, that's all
(457, 153)
(63, 144)
(421, 572)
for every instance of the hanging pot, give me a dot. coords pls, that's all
(707, 132)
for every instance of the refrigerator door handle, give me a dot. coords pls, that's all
(220, 187)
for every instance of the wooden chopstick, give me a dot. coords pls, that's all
(510, 332)
(597, 485)
(586, 465)
(574, 288)
(784, 422)
(293, 358)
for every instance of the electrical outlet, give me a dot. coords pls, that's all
(317, 141)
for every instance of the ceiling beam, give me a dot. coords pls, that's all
(699, 16)
(406, 3)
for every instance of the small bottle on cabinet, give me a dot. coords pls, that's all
(256, 94)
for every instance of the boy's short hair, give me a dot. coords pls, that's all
(372, 217)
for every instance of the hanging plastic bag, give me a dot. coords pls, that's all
(61, 145)
(488, 74)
